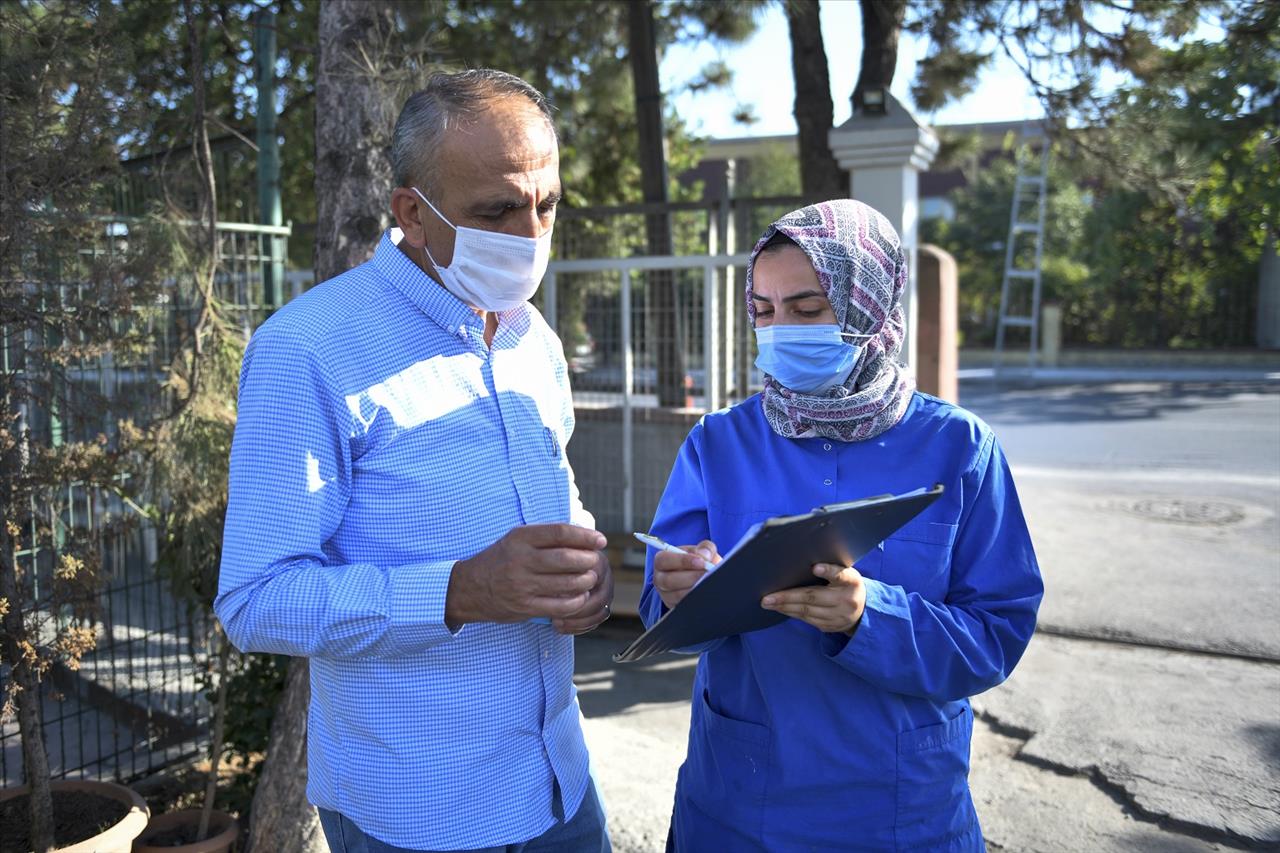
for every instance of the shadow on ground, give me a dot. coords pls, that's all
(606, 688)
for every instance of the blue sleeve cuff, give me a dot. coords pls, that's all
(418, 592)
(884, 602)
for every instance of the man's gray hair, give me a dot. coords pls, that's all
(448, 101)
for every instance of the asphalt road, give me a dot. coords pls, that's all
(1146, 713)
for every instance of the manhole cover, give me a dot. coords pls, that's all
(1188, 511)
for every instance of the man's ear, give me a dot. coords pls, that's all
(406, 207)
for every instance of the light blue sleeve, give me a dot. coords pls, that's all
(681, 519)
(952, 649)
(279, 591)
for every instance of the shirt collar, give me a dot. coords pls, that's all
(419, 288)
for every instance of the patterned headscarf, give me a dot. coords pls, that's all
(863, 270)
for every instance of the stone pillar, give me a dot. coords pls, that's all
(938, 315)
(884, 155)
(1050, 334)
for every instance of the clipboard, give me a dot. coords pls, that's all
(778, 553)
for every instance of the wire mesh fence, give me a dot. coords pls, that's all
(135, 703)
(651, 343)
(652, 340)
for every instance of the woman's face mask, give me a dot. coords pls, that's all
(800, 343)
(490, 270)
(810, 359)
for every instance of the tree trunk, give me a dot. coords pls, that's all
(219, 727)
(282, 821)
(881, 24)
(35, 762)
(354, 121)
(15, 455)
(820, 174)
(653, 180)
(353, 134)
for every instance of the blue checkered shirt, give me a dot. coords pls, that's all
(380, 440)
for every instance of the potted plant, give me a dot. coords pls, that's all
(74, 296)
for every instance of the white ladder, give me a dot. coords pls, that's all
(1026, 187)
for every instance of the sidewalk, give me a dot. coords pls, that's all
(1146, 713)
(1104, 375)
(1087, 366)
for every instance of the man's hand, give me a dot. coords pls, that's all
(596, 610)
(675, 574)
(834, 608)
(548, 570)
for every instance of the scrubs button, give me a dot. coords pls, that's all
(826, 447)
(826, 482)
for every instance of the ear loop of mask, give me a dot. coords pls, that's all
(437, 212)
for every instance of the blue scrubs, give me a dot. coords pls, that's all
(801, 740)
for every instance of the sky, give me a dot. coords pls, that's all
(762, 78)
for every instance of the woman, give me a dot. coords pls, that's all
(846, 727)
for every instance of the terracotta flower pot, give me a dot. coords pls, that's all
(115, 839)
(223, 833)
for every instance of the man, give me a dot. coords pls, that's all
(402, 512)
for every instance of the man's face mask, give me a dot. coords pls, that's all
(810, 359)
(492, 271)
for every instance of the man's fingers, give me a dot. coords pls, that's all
(561, 536)
(580, 623)
(563, 561)
(559, 607)
(578, 626)
(563, 585)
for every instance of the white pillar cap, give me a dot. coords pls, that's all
(895, 138)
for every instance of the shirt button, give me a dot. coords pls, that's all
(546, 655)
(826, 447)
(826, 482)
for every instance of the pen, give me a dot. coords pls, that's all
(655, 542)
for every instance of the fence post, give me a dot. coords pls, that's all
(549, 300)
(628, 379)
(269, 211)
(710, 337)
(936, 351)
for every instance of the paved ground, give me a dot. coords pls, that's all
(1146, 713)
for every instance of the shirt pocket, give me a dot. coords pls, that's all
(728, 761)
(933, 802)
(554, 446)
(917, 557)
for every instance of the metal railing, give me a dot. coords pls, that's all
(135, 704)
(605, 375)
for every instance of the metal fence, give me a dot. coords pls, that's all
(617, 372)
(134, 705)
(601, 296)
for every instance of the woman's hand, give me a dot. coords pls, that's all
(834, 608)
(675, 574)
